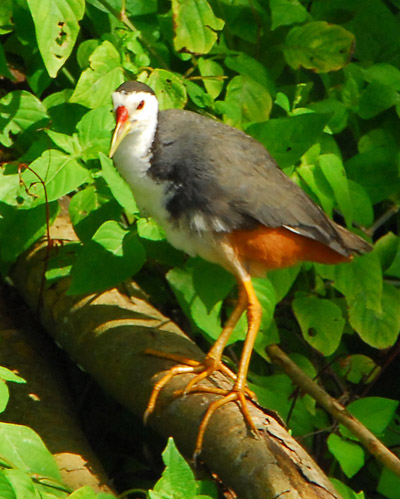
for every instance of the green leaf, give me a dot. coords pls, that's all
(7, 375)
(113, 255)
(96, 84)
(177, 481)
(200, 288)
(22, 484)
(387, 248)
(350, 455)
(389, 484)
(4, 395)
(377, 97)
(56, 26)
(332, 167)
(287, 139)
(383, 73)
(339, 113)
(282, 280)
(266, 296)
(119, 188)
(169, 87)
(149, 229)
(375, 413)
(249, 66)
(85, 492)
(378, 328)
(363, 212)
(199, 96)
(6, 12)
(321, 322)
(246, 101)
(21, 228)
(61, 173)
(345, 491)
(372, 169)
(208, 67)
(319, 186)
(20, 111)
(140, 7)
(88, 210)
(23, 447)
(286, 12)
(195, 26)
(61, 261)
(318, 46)
(9, 184)
(359, 281)
(67, 143)
(6, 489)
(94, 132)
(4, 70)
(358, 368)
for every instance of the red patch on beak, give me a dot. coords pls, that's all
(121, 114)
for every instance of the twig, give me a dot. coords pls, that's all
(393, 209)
(337, 410)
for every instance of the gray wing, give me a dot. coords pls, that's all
(231, 180)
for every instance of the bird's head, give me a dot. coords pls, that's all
(136, 110)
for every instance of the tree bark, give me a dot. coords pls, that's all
(107, 334)
(43, 403)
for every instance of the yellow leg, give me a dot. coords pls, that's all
(213, 361)
(239, 390)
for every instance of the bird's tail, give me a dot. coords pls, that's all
(352, 242)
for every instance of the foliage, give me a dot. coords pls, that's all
(178, 481)
(316, 82)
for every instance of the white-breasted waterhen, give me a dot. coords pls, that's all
(219, 194)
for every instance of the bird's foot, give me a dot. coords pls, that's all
(234, 395)
(202, 370)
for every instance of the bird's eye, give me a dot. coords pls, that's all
(140, 105)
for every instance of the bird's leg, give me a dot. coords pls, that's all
(239, 390)
(212, 361)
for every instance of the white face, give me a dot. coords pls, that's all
(142, 108)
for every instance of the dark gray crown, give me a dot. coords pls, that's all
(134, 86)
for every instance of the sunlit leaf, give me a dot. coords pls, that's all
(104, 75)
(169, 87)
(20, 111)
(118, 186)
(195, 26)
(60, 172)
(211, 68)
(350, 455)
(23, 447)
(56, 26)
(332, 167)
(246, 101)
(177, 479)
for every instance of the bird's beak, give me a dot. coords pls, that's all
(122, 129)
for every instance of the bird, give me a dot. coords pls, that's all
(219, 194)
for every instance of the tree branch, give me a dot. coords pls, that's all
(337, 410)
(107, 334)
(43, 402)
